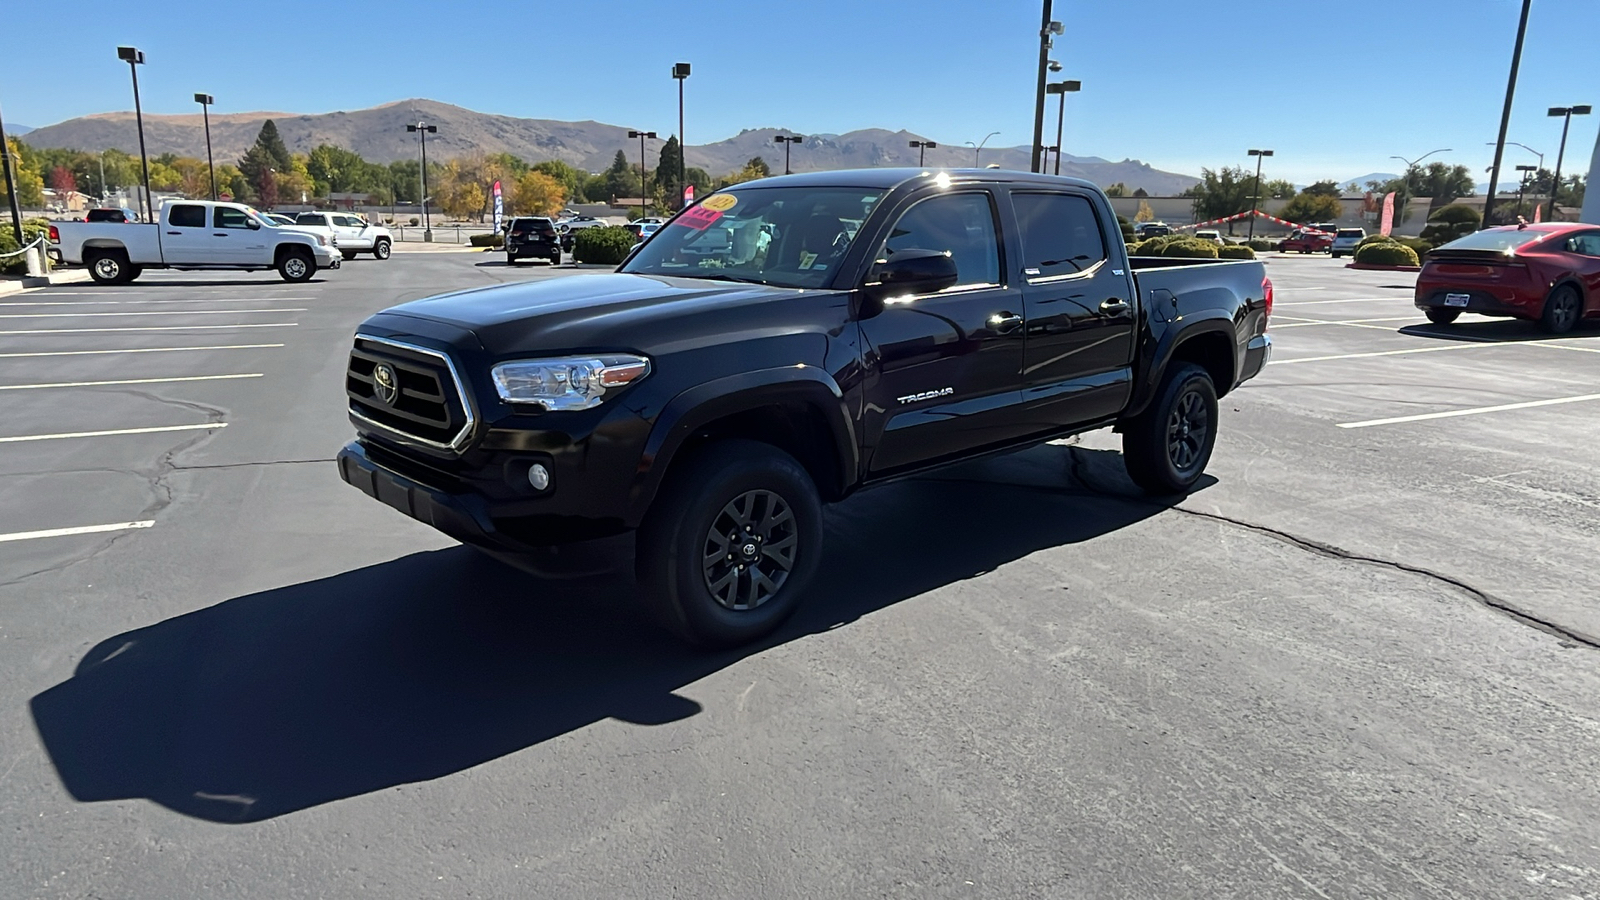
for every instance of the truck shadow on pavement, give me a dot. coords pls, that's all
(438, 661)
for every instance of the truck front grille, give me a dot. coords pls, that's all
(426, 403)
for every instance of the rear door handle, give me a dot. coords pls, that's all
(1003, 322)
(1116, 306)
(179, 233)
(218, 234)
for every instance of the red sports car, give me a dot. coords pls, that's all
(1306, 241)
(1549, 273)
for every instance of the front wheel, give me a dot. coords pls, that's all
(1443, 316)
(380, 250)
(110, 267)
(1166, 448)
(1562, 310)
(347, 254)
(296, 266)
(731, 543)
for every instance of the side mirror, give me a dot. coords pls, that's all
(914, 272)
(253, 224)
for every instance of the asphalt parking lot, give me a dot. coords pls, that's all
(1358, 662)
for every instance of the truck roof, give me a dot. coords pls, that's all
(888, 179)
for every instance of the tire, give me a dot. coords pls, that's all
(1441, 316)
(1562, 310)
(1166, 448)
(133, 272)
(555, 260)
(510, 260)
(380, 250)
(108, 266)
(718, 603)
(296, 266)
(347, 254)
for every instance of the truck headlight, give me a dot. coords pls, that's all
(575, 382)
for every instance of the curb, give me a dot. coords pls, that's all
(1374, 268)
(25, 283)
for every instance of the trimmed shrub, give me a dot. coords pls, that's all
(1386, 253)
(1451, 222)
(1153, 246)
(415, 220)
(1371, 239)
(1420, 245)
(1191, 247)
(1261, 246)
(608, 245)
(1236, 251)
(31, 228)
(494, 239)
(1127, 229)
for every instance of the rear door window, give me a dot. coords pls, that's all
(1060, 234)
(186, 215)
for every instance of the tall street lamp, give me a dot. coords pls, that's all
(205, 101)
(1046, 29)
(1565, 113)
(787, 142)
(1255, 201)
(1062, 88)
(1505, 113)
(978, 147)
(641, 135)
(422, 130)
(922, 148)
(134, 57)
(680, 71)
(1405, 185)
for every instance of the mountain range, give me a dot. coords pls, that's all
(379, 134)
(15, 129)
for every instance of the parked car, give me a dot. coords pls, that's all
(1153, 229)
(714, 403)
(112, 214)
(193, 234)
(1547, 273)
(280, 218)
(532, 237)
(642, 229)
(352, 233)
(1345, 241)
(1214, 237)
(1303, 241)
(571, 226)
(1328, 228)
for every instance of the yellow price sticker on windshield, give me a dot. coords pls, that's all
(720, 202)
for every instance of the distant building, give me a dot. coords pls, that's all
(67, 201)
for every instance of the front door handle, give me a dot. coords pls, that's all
(1003, 322)
(179, 233)
(218, 234)
(1116, 306)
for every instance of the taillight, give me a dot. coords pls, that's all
(55, 235)
(1266, 294)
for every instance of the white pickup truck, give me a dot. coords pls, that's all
(350, 232)
(193, 234)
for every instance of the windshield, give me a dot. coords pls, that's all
(787, 236)
(1495, 239)
(1352, 233)
(263, 218)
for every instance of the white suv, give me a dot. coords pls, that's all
(352, 233)
(1345, 241)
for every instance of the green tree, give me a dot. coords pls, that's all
(701, 179)
(759, 166)
(1325, 188)
(1274, 189)
(538, 194)
(1450, 222)
(1306, 207)
(269, 140)
(1222, 192)
(621, 179)
(570, 179)
(1117, 190)
(1141, 193)
(667, 167)
(30, 181)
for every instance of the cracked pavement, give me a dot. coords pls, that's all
(1354, 663)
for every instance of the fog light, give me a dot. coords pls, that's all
(539, 477)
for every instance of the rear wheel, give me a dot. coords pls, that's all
(1562, 310)
(108, 266)
(348, 254)
(380, 250)
(1443, 316)
(1166, 448)
(296, 265)
(731, 543)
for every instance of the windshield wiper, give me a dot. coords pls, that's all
(720, 276)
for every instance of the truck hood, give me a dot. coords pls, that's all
(591, 312)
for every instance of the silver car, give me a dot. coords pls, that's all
(1345, 241)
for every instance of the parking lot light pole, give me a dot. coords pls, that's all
(1062, 89)
(1505, 113)
(1405, 183)
(134, 57)
(1255, 201)
(1522, 182)
(11, 182)
(922, 150)
(978, 147)
(787, 142)
(641, 135)
(205, 101)
(423, 129)
(680, 71)
(1566, 113)
(1047, 27)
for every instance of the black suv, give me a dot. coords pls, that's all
(781, 345)
(532, 237)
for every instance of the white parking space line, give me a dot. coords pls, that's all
(149, 328)
(73, 384)
(1301, 323)
(1530, 404)
(140, 350)
(21, 438)
(6, 303)
(149, 290)
(1305, 359)
(67, 532)
(148, 312)
(1343, 300)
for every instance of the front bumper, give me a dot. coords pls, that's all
(464, 517)
(1257, 354)
(328, 257)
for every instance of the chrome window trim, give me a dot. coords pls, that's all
(456, 443)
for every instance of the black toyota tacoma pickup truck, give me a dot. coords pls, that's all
(779, 346)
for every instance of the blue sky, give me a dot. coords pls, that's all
(1334, 87)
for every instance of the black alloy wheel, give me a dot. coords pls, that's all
(749, 550)
(1562, 310)
(1165, 448)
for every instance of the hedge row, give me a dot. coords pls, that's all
(1383, 250)
(31, 228)
(1176, 245)
(606, 246)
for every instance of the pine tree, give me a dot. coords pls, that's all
(269, 141)
(671, 158)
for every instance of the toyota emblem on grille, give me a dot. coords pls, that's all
(385, 384)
